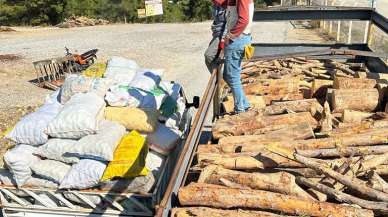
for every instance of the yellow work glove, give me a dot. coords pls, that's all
(249, 50)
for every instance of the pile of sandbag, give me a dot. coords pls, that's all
(111, 132)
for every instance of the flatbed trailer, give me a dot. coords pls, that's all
(176, 173)
(201, 133)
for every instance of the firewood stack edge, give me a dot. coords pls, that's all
(315, 143)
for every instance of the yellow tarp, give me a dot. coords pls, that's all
(96, 70)
(128, 159)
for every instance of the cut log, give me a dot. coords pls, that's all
(353, 128)
(353, 83)
(257, 102)
(211, 212)
(327, 120)
(280, 182)
(297, 106)
(342, 197)
(376, 182)
(345, 152)
(245, 124)
(310, 173)
(350, 116)
(222, 197)
(363, 138)
(371, 75)
(270, 87)
(350, 182)
(283, 97)
(355, 99)
(319, 88)
(209, 148)
(246, 161)
(288, 132)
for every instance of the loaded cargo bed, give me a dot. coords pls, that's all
(223, 147)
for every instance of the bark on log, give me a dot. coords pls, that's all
(364, 138)
(344, 152)
(222, 197)
(364, 125)
(342, 197)
(319, 88)
(211, 212)
(288, 132)
(353, 83)
(282, 97)
(352, 183)
(280, 182)
(269, 87)
(350, 116)
(304, 105)
(257, 102)
(355, 99)
(245, 124)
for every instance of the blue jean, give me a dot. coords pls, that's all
(234, 53)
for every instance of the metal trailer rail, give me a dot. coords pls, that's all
(374, 64)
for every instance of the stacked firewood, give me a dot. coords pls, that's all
(314, 144)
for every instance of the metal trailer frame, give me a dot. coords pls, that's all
(374, 64)
(17, 202)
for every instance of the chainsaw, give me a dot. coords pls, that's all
(51, 73)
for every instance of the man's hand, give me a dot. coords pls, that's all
(221, 45)
(229, 39)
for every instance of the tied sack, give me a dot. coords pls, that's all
(129, 158)
(163, 140)
(51, 170)
(124, 95)
(79, 117)
(85, 174)
(81, 84)
(31, 128)
(57, 149)
(143, 120)
(102, 145)
(120, 69)
(19, 161)
(146, 80)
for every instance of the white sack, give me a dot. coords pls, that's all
(50, 169)
(79, 117)
(121, 95)
(146, 80)
(102, 145)
(163, 140)
(85, 174)
(31, 128)
(81, 84)
(57, 149)
(19, 161)
(120, 69)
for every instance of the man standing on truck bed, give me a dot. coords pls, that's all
(238, 25)
(218, 30)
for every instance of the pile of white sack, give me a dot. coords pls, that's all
(69, 141)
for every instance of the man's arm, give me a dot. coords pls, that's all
(243, 18)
